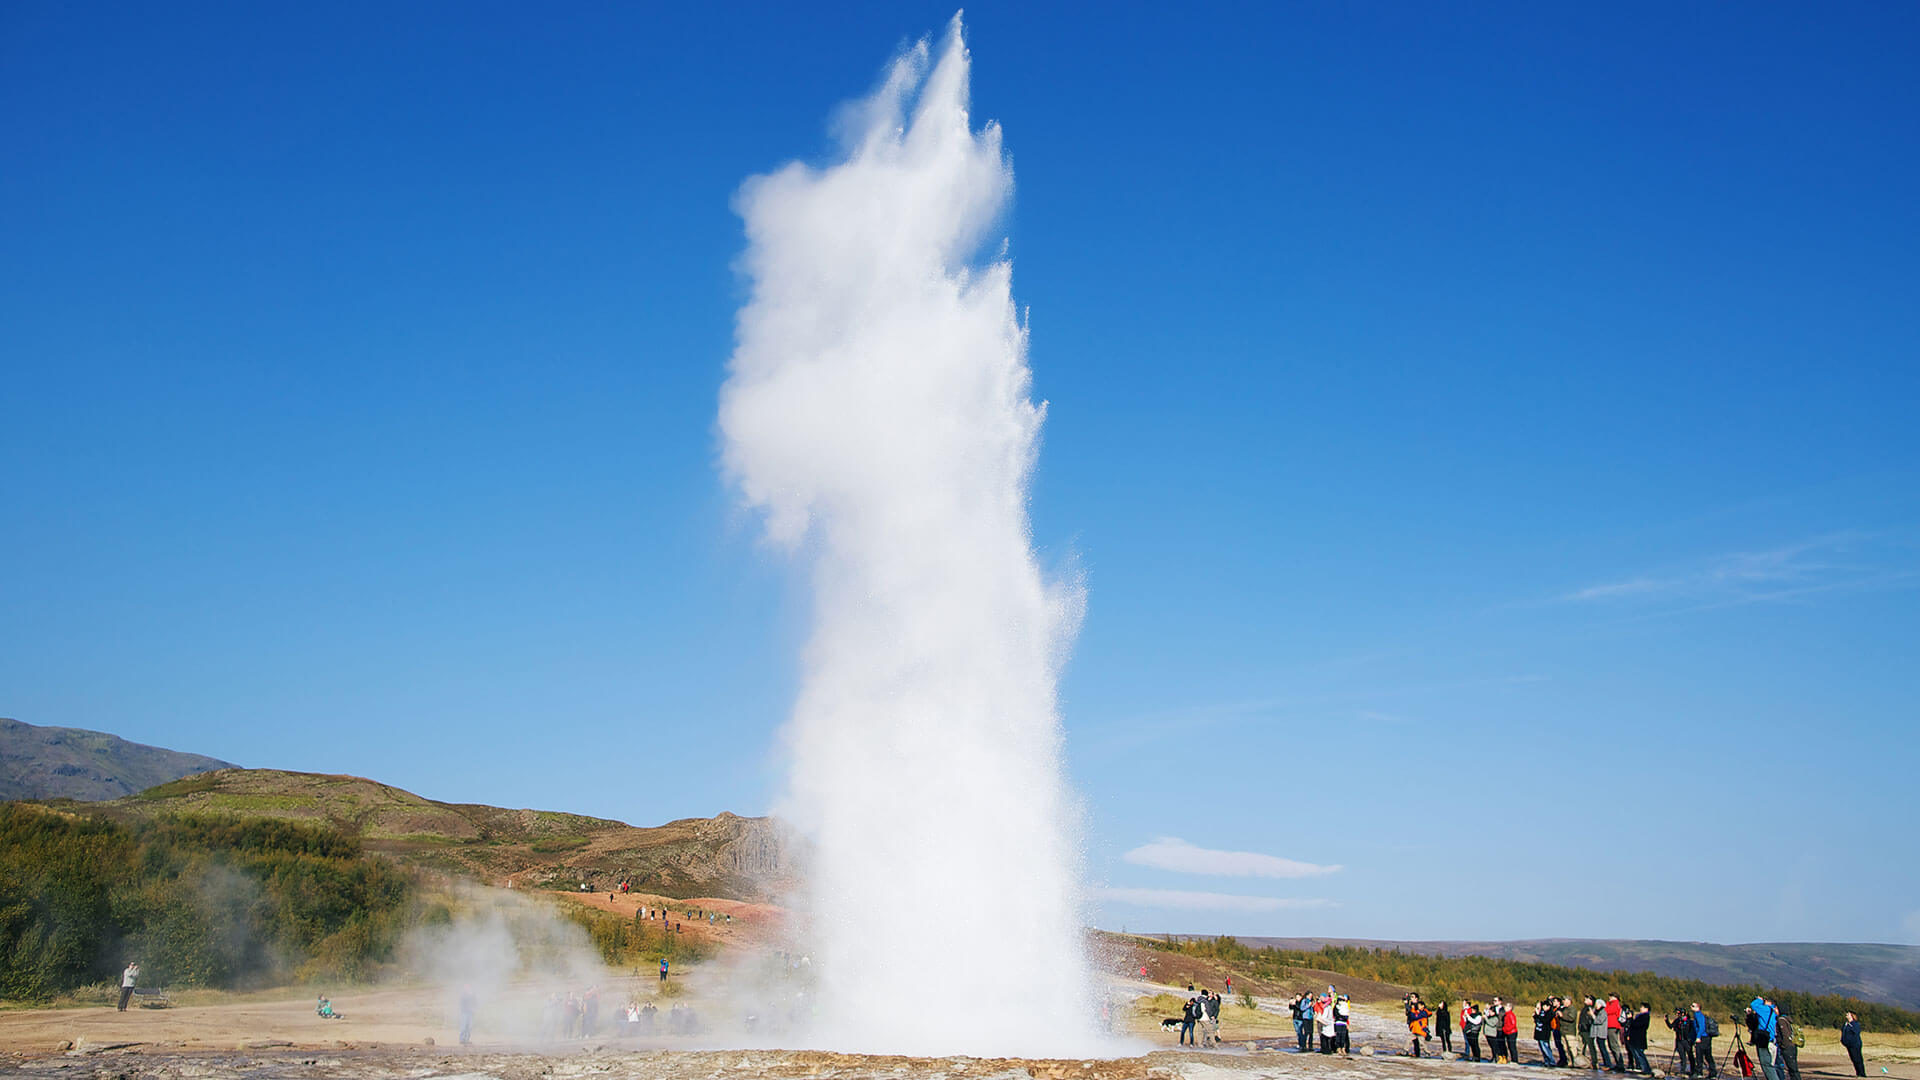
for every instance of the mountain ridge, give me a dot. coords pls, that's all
(1870, 971)
(89, 766)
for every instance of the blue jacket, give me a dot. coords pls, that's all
(1768, 1019)
(1850, 1033)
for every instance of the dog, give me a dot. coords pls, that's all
(1171, 1023)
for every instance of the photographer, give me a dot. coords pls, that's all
(1543, 1031)
(1681, 1024)
(1760, 1023)
(1850, 1038)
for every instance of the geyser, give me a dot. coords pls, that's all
(878, 412)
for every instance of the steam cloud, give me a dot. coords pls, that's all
(878, 413)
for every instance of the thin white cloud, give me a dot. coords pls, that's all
(1170, 853)
(1206, 901)
(1837, 562)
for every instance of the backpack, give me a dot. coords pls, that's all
(1713, 1027)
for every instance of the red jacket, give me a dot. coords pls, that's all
(1509, 1023)
(1613, 1013)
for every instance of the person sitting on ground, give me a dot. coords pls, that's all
(324, 1009)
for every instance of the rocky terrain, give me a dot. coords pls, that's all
(73, 763)
(726, 856)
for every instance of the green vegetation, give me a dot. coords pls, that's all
(200, 900)
(1451, 978)
(621, 941)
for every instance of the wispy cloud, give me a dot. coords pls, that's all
(1171, 853)
(1835, 562)
(1206, 901)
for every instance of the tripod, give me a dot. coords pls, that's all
(1734, 1052)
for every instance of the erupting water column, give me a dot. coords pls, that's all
(877, 412)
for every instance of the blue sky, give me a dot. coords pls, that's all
(1489, 434)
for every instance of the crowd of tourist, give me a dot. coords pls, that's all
(1599, 1033)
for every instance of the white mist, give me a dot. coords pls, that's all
(878, 413)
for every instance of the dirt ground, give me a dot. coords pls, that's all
(386, 1034)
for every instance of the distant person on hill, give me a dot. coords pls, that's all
(127, 980)
(1705, 1029)
(1471, 1020)
(1850, 1038)
(1443, 1026)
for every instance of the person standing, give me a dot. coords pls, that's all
(663, 969)
(1681, 1024)
(1342, 1016)
(1790, 1040)
(1850, 1038)
(1596, 1025)
(1470, 1021)
(467, 1003)
(1510, 1032)
(1705, 1028)
(1443, 1026)
(1323, 1021)
(127, 980)
(1560, 1053)
(1760, 1023)
(1637, 1026)
(1417, 1020)
(1615, 1026)
(1543, 1031)
(1210, 1016)
(1302, 1023)
(1188, 1017)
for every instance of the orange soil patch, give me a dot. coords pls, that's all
(750, 925)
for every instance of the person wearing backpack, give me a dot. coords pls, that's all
(1761, 1023)
(1790, 1043)
(1705, 1030)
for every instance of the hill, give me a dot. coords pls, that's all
(726, 856)
(73, 763)
(1889, 974)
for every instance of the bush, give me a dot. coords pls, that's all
(198, 900)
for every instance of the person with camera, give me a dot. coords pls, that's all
(1470, 1023)
(1560, 1021)
(1543, 1030)
(1760, 1029)
(1636, 1029)
(1850, 1038)
(1681, 1024)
